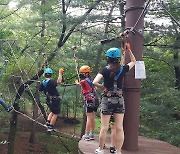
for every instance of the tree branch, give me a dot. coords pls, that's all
(9, 14)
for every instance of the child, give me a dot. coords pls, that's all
(112, 100)
(7, 108)
(52, 96)
(91, 101)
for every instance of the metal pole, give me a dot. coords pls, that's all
(134, 9)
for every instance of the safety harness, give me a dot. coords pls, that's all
(48, 97)
(91, 98)
(115, 92)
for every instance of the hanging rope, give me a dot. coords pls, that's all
(76, 62)
(129, 29)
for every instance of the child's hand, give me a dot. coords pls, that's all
(128, 47)
(61, 71)
(76, 82)
(103, 88)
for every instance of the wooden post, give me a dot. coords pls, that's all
(132, 85)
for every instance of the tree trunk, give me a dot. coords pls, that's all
(32, 138)
(13, 129)
(177, 71)
(131, 85)
(83, 128)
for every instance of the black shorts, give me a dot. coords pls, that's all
(91, 106)
(54, 105)
(112, 105)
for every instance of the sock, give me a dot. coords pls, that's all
(91, 132)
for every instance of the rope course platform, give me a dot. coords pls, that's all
(145, 146)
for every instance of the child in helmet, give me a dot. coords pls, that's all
(52, 96)
(112, 99)
(91, 101)
(7, 108)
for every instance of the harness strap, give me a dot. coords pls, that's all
(45, 82)
(115, 88)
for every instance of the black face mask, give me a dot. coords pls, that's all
(82, 76)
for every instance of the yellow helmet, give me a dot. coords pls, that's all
(85, 69)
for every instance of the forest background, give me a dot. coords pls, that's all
(35, 34)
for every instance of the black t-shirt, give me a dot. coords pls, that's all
(109, 81)
(50, 88)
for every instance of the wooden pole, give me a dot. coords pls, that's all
(134, 9)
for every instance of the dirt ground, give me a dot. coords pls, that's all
(22, 137)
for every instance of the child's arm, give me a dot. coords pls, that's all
(59, 80)
(132, 57)
(96, 81)
(77, 83)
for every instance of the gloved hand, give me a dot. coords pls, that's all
(128, 47)
(103, 88)
(76, 81)
(61, 71)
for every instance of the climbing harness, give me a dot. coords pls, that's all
(91, 99)
(116, 92)
(112, 98)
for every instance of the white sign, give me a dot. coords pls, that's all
(140, 72)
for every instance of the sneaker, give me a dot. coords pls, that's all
(112, 149)
(86, 137)
(10, 108)
(50, 128)
(91, 136)
(47, 124)
(98, 151)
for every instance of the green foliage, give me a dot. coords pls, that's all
(55, 144)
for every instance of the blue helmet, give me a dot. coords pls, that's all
(113, 53)
(48, 71)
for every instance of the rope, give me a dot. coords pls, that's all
(65, 134)
(172, 17)
(63, 143)
(76, 62)
(142, 13)
(30, 118)
(24, 82)
(132, 29)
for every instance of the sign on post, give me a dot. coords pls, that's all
(140, 72)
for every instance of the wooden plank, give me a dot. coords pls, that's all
(145, 146)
